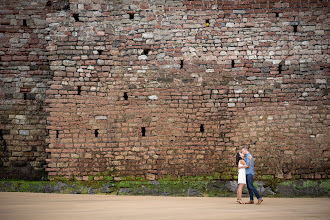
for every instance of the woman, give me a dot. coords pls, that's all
(241, 176)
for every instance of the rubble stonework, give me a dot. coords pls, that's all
(156, 88)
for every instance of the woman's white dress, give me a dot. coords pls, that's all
(241, 174)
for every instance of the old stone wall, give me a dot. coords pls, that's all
(153, 88)
(164, 87)
(24, 74)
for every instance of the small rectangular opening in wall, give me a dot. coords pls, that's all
(24, 23)
(280, 68)
(295, 28)
(25, 96)
(57, 133)
(76, 17)
(146, 51)
(277, 14)
(96, 132)
(201, 128)
(181, 64)
(131, 15)
(232, 63)
(100, 52)
(207, 22)
(143, 131)
(125, 96)
(79, 90)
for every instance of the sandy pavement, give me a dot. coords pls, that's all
(63, 206)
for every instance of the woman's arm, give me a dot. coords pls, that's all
(244, 164)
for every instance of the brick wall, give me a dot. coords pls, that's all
(24, 73)
(152, 88)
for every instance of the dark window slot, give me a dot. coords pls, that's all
(277, 14)
(25, 96)
(279, 69)
(24, 23)
(125, 96)
(131, 16)
(201, 128)
(146, 51)
(181, 64)
(295, 28)
(100, 52)
(79, 90)
(96, 132)
(57, 133)
(76, 17)
(232, 63)
(143, 131)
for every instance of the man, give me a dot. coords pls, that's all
(249, 171)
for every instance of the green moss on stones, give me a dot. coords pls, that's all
(325, 184)
(309, 183)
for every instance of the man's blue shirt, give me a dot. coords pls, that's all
(247, 160)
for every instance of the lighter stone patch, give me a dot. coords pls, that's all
(271, 53)
(276, 61)
(230, 24)
(231, 104)
(161, 55)
(153, 97)
(319, 32)
(239, 11)
(321, 81)
(24, 132)
(143, 57)
(148, 35)
(21, 117)
(238, 90)
(69, 62)
(101, 117)
(210, 70)
(252, 78)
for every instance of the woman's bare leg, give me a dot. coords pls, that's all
(239, 191)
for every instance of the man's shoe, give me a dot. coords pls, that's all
(260, 201)
(250, 202)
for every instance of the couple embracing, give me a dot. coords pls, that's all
(245, 176)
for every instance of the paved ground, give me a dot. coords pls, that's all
(59, 206)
